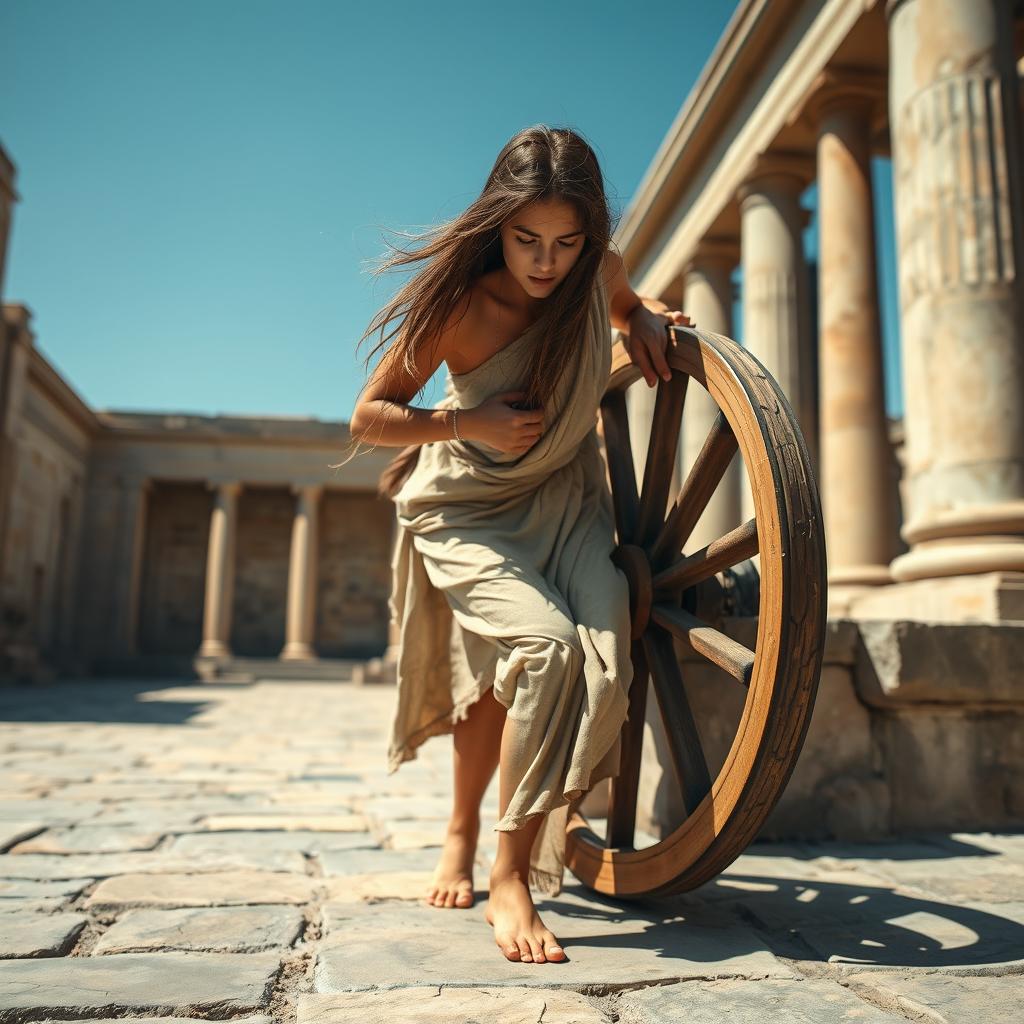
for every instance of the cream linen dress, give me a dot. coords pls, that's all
(502, 578)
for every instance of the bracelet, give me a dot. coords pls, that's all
(455, 424)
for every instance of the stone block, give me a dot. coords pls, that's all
(158, 983)
(30, 935)
(942, 998)
(837, 789)
(447, 1005)
(408, 944)
(221, 888)
(807, 1001)
(954, 769)
(251, 929)
(905, 662)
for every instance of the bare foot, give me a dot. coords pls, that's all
(452, 885)
(518, 929)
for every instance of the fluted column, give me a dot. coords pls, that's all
(301, 615)
(854, 446)
(776, 308)
(707, 300)
(220, 573)
(956, 145)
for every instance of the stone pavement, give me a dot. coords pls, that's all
(231, 851)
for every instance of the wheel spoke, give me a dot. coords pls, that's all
(705, 474)
(624, 786)
(620, 464)
(716, 646)
(687, 754)
(721, 553)
(661, 454)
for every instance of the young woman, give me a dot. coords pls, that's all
(514, 621)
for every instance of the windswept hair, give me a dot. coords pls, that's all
(539, 163)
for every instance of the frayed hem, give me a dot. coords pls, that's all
(444, 723)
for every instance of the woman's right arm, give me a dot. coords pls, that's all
(382, 414)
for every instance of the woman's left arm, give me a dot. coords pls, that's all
(642, 320)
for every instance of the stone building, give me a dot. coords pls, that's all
(920, 709)
(149, 543)
(139, 540)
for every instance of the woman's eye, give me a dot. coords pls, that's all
(530, 241)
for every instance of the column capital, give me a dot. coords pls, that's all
(228, 488)
(716, 251)
(310, 491)
(789, 169)
(844, 87)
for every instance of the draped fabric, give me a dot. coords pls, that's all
(502, 581)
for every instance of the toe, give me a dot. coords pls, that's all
(552, 949)
(537, 949)
(525, 952)
(510, 949)
(465, 897)
(449, 899)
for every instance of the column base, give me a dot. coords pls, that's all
(995, 597)
(214, 649)
(297, 650)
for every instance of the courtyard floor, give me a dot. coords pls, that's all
(239, 852)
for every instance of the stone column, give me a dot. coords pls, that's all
(707, 300)
(301, 614)
(220, 572)
(854, 445)
(956, 143)
(776, 308)
(16, 341)
(127, 572)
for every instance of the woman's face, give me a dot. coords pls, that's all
(540, 244)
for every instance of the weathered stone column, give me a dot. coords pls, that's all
(776, 309)
(707, 300)
(127, 575)
(16, 341)
(220, 573)
(854, 447)
(301, 615)
(956, 144)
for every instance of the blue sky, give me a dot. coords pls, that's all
(204, 184)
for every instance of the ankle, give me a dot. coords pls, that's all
(504, 872)
(464, 823)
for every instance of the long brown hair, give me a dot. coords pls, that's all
(538, 163)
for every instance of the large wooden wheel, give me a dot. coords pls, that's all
(675, 597)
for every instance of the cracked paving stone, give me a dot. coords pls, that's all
(159, 983)
(220, 888)
(944, 998)
(804, 1001)
(398, 944)
(513, 1005)
(40, 934)
(250, 929)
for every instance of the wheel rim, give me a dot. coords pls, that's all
(724, 813)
